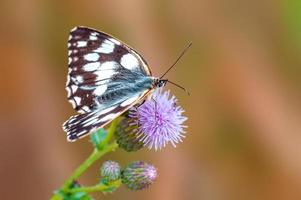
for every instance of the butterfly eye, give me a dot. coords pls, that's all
(162, 83)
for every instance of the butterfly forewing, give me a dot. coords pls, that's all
(95, 60)
(105, 78)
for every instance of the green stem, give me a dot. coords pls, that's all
(110, 132)
(96, 154)
(96, 188)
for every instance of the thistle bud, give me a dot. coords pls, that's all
(110, 170)
(126, 135)
(138, 175)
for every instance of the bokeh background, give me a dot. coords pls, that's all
(243, 71)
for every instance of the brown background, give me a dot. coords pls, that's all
(243, 71)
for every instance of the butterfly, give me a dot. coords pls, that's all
(105, 78)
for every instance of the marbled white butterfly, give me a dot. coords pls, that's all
(105, 78)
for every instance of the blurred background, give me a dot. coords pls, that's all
(243, 72)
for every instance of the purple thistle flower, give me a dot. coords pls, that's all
(138, 175)
(159, 120)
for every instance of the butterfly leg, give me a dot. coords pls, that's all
(138, 114)
(155, 103)
(155, 109)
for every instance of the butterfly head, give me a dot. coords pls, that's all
(157, 83)
(160, 82)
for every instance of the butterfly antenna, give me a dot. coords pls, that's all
(179, 87)
(183, 52)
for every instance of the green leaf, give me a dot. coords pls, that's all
(109, 189)
(98, 137)
(58, 195)
(74, 196)
(79, 196)
(104, 181)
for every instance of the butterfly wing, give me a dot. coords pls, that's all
(96, 61)
(81, 125)
(105, 78)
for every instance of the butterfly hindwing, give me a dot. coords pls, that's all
(80, 125)
(98, 67)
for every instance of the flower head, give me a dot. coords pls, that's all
(159, 120)
(138, 175)
(110, 170)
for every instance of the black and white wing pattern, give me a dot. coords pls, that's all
(105, 78)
